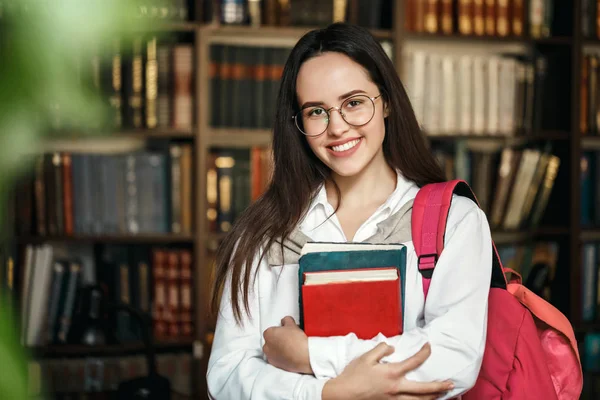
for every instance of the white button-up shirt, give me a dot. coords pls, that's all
(453, 320)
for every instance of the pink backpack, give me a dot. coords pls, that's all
(531, 351)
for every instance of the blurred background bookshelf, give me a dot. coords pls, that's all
(506, 91)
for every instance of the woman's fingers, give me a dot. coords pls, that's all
(411, 363)
(378, 352)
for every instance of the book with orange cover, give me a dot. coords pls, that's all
(352, 288)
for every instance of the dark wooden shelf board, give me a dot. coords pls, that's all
(590, 234)
(501, 237)
(109, 134)
(217, 237)
(70, 350)
(560, 40)
(590, 142)
(141, 238)
(169, 26)
(591, 42)
(587, 327)
(456, 37)
(155, 133)
(290, 32)
(226, 137)
(503, 139)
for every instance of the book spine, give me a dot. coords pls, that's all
(151, 88)
(173, 297)
(159, 301)
(187, 325)
(186, 189)
(183, 65)
(465, 17)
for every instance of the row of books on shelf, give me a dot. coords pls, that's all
(590, 189)
(476, 94)
(143, 82)
(590, 21)
(86, 376)
(244, 83)
(235, 178)
(135, 192)
(480, 17)
(589, 116)
(590, 293)
(68, 293)
(512, 186)
(375, 14)
(536, 263)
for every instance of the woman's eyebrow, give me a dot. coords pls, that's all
(351, 93)
(342, 97)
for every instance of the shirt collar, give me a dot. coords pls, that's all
(392, 203)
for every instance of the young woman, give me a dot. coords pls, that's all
(348, 154)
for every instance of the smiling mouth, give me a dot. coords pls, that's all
(346, 146)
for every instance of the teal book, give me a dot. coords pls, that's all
(320, 257)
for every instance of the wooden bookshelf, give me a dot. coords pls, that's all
(588, 327)
(170, 27)
(488, 40)
(564, 138)
(156, 133)
(590, 234)
(294, 33)
(166, 238)
(502, 237)
(124, 133)
(590, 142)
(222, 137)
(516, 140)
(70, 350)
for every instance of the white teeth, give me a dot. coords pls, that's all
(346, 146)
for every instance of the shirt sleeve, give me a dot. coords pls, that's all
(455, 313)
(237, 369)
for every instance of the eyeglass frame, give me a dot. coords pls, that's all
(339, 110)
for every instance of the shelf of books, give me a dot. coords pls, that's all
(106, 216)
(587, 123)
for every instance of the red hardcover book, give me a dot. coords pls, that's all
(365, 302)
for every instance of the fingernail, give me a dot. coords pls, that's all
(450, 386)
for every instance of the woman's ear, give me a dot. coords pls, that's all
(386, 110)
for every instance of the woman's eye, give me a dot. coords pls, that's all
(315, 112)
(354, 103)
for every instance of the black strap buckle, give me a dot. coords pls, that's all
(427, 272)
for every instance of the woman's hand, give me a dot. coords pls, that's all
(286, 347)
(366, 378)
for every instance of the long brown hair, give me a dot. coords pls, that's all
(298, 173)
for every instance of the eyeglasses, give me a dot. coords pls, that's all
(356, 111)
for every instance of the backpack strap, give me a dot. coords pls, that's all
(428, 225)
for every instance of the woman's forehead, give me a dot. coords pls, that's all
(327, 76)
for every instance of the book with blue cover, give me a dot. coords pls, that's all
(352, 287)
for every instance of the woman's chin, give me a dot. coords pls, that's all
(346, 171)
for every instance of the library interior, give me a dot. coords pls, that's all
(135, 133)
